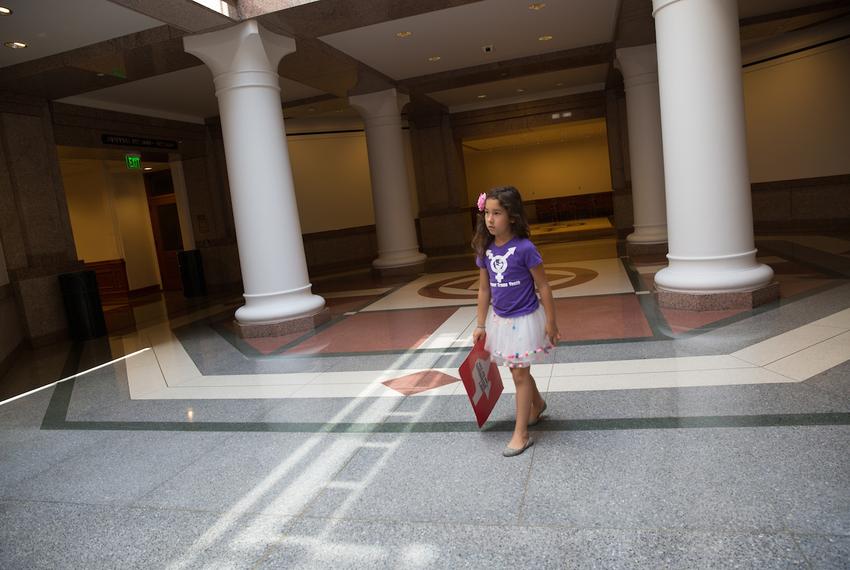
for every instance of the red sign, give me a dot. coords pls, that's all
(482, 382)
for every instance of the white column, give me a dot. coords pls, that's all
(243, 60)
(640, 75)
(709, 212)
(397, 244)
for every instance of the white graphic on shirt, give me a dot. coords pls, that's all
(499, 263)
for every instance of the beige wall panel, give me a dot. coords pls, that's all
(541, 171)
(798, 115)
(86, 190)
(332, 187)
(134, 222)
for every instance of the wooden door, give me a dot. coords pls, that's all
(166, 227)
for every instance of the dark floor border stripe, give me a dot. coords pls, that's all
(634, 276)
(765, 420)
(57, 408)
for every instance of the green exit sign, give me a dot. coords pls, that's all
(133, 161)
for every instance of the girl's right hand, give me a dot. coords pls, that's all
(478, 333)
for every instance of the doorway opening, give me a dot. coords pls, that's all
(562, 171)
(126, 229)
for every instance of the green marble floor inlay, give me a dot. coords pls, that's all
(56, 419)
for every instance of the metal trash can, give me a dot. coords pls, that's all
(192, 273)
(82, 305)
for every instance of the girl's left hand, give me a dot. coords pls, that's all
(552, 333)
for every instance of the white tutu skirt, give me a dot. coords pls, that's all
(517, 342)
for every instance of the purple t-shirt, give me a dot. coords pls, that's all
(511, 284)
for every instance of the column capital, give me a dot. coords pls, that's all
(245, 47)
(386, 103)
(638, 64)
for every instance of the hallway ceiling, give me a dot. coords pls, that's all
(49, 27)
(458, 34)
(75, 53)
(522, 89)
(184, 95)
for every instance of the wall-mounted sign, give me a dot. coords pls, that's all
(123, 140)
(133, 161)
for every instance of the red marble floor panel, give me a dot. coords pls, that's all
(420, 382)
(681, 321)
(336, 306)
(377, 331)
(603, 317)
(792, 268)
(339, 305)
(795, 278)
(793, 285)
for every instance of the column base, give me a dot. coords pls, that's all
(648, 234)
(634, 249)
(281, 328)
(271, 308)
(718, 301)
(405, 270)
(399, 260)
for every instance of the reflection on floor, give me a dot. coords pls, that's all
(674, 438)
(559, 232)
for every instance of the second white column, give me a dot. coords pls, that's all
(639, 68)
(397, 243)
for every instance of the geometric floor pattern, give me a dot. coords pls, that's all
(674, 439)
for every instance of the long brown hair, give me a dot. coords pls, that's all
(509, 198)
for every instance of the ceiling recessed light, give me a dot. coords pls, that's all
(520, 90)
(147, 168)
(4, 11)
(482, 96)
(545, 38)
(404, 34)
(15, 45)
(434, 58)
(100, 74)
(537, 6)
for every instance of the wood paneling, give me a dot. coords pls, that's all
(111, 281)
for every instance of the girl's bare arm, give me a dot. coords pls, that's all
(483, 303)
(548, 302)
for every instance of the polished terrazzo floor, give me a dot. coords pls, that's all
(675, 439)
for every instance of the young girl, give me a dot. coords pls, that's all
(520, 329)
